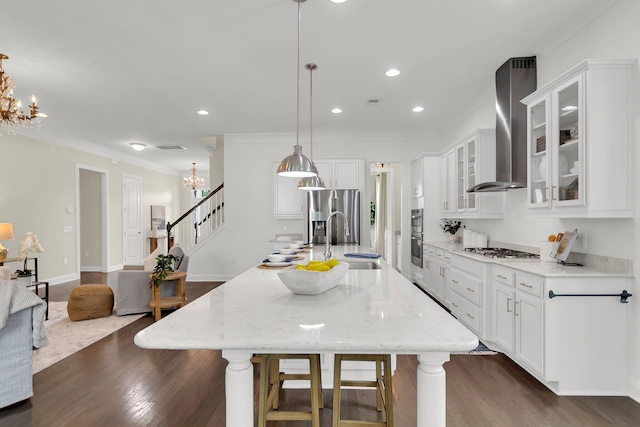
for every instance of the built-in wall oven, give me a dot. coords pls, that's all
(416, 237)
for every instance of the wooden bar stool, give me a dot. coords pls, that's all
(271, 380)
(382, 384)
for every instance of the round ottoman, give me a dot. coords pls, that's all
(90, 302)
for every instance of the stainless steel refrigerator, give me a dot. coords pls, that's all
(319, 205)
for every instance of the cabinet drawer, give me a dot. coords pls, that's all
(503, 275)
(467, 286)
(466, 312)
(530, 284)
(468, 265)
(430, 250)
(439, 253)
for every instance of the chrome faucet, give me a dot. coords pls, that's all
(327, 251)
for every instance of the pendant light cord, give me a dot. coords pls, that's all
(311, 67)
(298, 84)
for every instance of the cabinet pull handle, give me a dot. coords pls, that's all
(454, 304)
(525, 285)
(552, 197)
(501, 277)
(515, 309)
(454, 281)
(508, 301)
(471, 290)
(468, 315)
(447, 258)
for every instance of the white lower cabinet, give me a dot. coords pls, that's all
(518, 316)
(575, 345)
(436, 264)
(465, 281)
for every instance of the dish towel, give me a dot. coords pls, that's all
(368, 256)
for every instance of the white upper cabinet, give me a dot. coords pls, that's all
(343, 174)
(417, 178)
(471, 161)
(579, 149)
(288, 201)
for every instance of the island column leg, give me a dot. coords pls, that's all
(432, 390)
(238, 384)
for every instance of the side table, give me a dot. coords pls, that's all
(46, 294)
(159, 302)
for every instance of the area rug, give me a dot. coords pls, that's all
(67, 337)
(480, 350)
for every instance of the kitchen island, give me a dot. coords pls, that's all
(369, 311)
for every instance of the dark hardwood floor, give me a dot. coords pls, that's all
(115, 383)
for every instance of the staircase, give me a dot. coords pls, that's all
(201, 221)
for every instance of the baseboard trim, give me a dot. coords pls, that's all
(634, 389)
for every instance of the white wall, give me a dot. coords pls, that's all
(249, 192)
(615, 35)
(39, 185)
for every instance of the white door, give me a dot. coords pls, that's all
(131, 219)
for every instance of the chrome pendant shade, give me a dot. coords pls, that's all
(311, 183)
(297, 165)
(314, 182)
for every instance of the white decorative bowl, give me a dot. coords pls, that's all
(306, 282)
(287, 251)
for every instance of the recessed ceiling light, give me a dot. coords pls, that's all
(418, 109)
(392, 72)
(569, 108)
(203, 112)
(138, 146)
(338, 1)
(336, 111)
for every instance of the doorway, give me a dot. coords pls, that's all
(92, 219)
(131, 219)
(384, 204)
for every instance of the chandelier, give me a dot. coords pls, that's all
(11, 116)
(192, 181)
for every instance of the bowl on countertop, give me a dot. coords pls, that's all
(304, 282)
(277, 258)
(287, 251)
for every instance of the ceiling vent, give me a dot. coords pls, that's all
(171, 147)
(373, 102)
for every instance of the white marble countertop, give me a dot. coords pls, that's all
(537, 267)
(369, 311)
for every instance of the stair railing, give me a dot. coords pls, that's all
(209, 216)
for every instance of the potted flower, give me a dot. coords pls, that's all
(162, 269)
(29, 243)
(452, 228)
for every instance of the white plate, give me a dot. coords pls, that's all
(277, 264)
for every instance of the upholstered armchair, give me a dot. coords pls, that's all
(133, 293)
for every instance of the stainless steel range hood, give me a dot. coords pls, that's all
(515, 79)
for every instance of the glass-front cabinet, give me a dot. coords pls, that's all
(468, 162)
(555, 148)
(538, 172)
(568, 168)
(579, 147)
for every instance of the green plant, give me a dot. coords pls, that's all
(162, 269)
(451, 226)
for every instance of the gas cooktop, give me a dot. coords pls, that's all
(502, 253)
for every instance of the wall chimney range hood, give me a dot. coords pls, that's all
(515, 79)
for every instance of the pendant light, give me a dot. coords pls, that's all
(313, 182)
(297, 165)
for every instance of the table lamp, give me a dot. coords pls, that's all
(6, 233)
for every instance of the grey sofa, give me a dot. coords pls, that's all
(16, 347)
(133, 293)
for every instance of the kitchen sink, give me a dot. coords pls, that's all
(364, 266)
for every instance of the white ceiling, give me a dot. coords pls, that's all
(108, 73)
